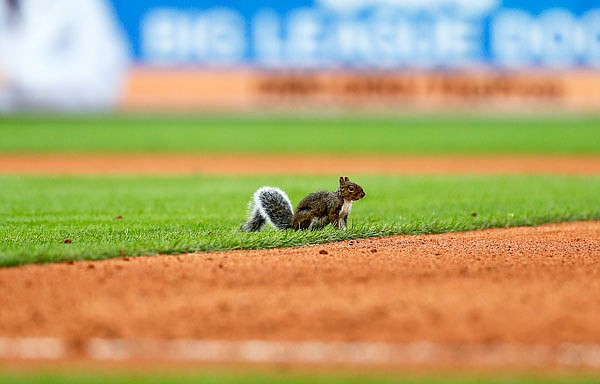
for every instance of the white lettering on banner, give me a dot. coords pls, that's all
(391, 36)
(591, 43)
(305, 33)
(214, 37)
(309, 38)
(510, 38)
(266, 30)
(459, 42)
(554, 39)
(558, 38)
(163, 36)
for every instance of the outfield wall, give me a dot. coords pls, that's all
(388, 54)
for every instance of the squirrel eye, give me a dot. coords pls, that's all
(351, 188)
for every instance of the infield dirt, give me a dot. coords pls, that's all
(525, 285)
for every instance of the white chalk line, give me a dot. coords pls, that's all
(303, 352)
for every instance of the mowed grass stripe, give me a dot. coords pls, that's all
(47, 219)
(277, 376)
(360, 135)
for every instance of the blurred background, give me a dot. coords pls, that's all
(398, 55)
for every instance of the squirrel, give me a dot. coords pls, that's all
(271, 205)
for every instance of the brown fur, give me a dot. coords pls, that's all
(321, 208)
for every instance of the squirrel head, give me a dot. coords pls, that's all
(350, 190)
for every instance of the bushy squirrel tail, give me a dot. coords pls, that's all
(269, 205)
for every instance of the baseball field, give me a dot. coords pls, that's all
(474, 257)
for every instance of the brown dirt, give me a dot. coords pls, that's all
(297, 164)
(536, 285)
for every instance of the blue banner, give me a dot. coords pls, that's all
(364, 34)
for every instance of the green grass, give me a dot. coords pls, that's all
(200, 213)
(348, 135)
(267, 377)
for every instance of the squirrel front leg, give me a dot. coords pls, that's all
(342, 223)
(337, 221)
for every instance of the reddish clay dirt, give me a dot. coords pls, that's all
(536, 285)
(297, 164)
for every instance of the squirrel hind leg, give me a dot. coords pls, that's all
(318, 223)
(303, 220)
(254, 223)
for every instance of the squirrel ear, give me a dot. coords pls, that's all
(341, 179)
(346, 179)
